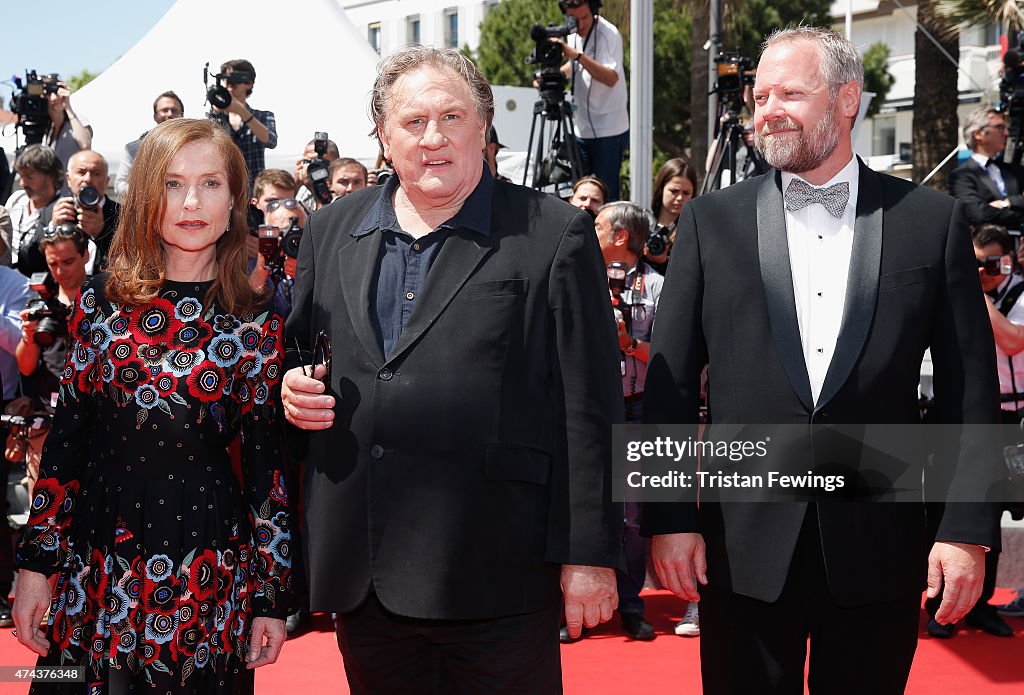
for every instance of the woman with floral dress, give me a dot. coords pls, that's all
(165, 570)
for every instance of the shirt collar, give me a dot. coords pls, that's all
(982, 159)
(474, 215)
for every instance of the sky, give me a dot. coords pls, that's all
(80, 36)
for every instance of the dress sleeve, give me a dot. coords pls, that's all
(259, 394)
(46, 545)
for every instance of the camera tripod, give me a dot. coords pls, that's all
(726, 149)
(562, 164)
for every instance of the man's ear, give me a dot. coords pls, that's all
(620, 237)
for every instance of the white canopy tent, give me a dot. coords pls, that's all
(314, 70)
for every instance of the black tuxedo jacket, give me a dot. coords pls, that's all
(464, 470)
(972, 185)
(728, 299)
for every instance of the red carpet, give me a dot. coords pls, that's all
(972, 663)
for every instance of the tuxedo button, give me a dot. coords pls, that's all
(385, 374)
(377, 451)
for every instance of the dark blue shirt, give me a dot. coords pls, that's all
(403, 262)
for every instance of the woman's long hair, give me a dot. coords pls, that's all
(137, 269)
(671, 168)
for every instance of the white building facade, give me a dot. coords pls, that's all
(391, 24)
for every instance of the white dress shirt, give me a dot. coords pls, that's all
(992, 169)
(820, 247)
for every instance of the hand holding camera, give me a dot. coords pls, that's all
(82, 210)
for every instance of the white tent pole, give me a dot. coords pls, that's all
(849, 20)
(641, 100)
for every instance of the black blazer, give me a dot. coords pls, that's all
(972, 185)
(464, 470)
(728, 299)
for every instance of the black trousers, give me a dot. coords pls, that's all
(386, 653)
(749, 646)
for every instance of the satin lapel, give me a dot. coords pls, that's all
(1010, 179)
(777, 277)
(357, 262)
(861, 286)
(989, 181)
(455, 263)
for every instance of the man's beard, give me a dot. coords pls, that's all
(800, 151)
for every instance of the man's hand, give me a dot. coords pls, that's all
(305, 404)
(962, 566)
(1001, 204)
(64, 212)
(28, 328)
(625, 339)
(589, 596)
(678, 559)
(568, 52)
(91, 221)
(30, 603)
(265, 642)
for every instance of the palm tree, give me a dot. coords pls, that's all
(935, 94)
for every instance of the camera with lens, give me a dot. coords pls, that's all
(997, 265)
(547, 54)
(88, 199)
(617, 272)
(31, 104)
(1011, 96)
(47, 309)
(276, 247)
(657, 242)
(218, 95)
(734, 72)
(317, 170)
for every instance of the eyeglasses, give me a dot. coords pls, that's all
(289, 204)
(1002, 127)
(321, 356)
(573, 4)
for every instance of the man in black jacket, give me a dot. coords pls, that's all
(95, 214)
(458, 476)
(989, 188)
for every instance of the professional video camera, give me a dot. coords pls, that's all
(218, 95)
(47, 309)
(735, 72)
(317, 170)
(30, 103)
(551, 81)
(276, 247)
(1011, 95)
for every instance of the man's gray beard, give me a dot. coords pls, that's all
(805, 152)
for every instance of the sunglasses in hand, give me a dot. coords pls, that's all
(320, 357)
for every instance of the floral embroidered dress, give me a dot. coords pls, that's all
(162, 555)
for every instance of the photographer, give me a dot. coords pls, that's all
(598, 90)
(589, 193)
(305, 194)
(68, 132)
(88, 206)
(675, 184)
(31, 208)
(41, 367)
(990, 189)
(254, 131)
(168, 105)
(346, 175)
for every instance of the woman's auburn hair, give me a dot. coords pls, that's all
(137, 270)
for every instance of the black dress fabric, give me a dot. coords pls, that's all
(163, 552)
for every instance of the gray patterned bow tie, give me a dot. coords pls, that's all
(800, 194)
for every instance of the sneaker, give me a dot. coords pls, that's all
(1013, 609)
(689, 626)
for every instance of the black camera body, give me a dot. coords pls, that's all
(47, 309)
(1011, 96)
(551, 81)
(88, 199)
(317, 170)
(217, 94)
(276, 247)
(657, 242)
(31, 104)
(734, 72)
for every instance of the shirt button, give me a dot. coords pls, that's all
(385, 374)
(377, 451)
(410, 295)
(415, 247)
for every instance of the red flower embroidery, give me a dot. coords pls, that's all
(206, 382)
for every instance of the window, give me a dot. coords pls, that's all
(373, 36)
(883, 140)
(451, 27)
(412, 29)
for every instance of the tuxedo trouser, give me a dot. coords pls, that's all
(751, 646)
(386, 653)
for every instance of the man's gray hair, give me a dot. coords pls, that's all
(631, 217)
(42, 159)
(976, 120)
(840, 62)
(413, 57)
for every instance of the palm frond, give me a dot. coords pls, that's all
(966, 13)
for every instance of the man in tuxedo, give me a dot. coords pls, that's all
(458, 476)
(812, 292)
(989, 189)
